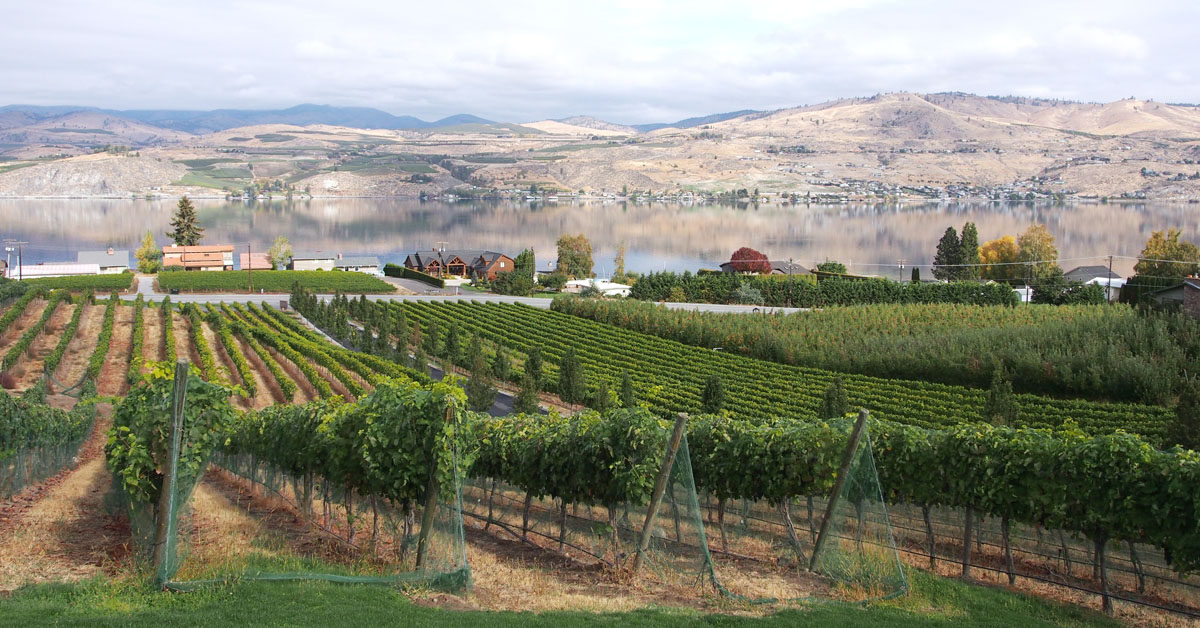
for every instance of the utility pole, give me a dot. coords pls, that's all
(900, 265)
(8, 249)
(249, 268)
(1108, 283)
(20, 259)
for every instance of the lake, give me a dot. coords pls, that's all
(870, 239)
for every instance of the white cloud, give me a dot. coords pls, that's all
(631, 61)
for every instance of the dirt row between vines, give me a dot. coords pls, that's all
(59, 530)
(26, 320)
(73, 366)
(112, 380)
(29, 367)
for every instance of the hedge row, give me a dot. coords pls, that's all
(393, 270)
(782, 292)
(80, 283)
(275, 281)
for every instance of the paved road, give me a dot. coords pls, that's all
(146, 289)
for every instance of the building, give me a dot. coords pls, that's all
(111, 262)
(254, 261)
(1186, 294)
(312, 260)
(52, 269)
(204, 257)
(462, 263)
(606, 288)
(361, 264)
(1099, 275)
(777, 268)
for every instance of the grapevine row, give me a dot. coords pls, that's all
(208, 363)
(18, 308)
(102, 344)
(136, 358)
(14, 352)
(221, 326)
(168, 331)
(52, 361)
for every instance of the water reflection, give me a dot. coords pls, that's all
(869, 238)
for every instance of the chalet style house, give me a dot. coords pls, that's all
(204, 257)
(462, 263)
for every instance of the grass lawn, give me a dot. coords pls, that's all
(935, 602)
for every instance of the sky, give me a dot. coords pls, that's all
(627, 61)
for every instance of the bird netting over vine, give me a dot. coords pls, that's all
(38, 440)
(328, 490)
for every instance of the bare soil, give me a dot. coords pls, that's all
(268, 389)
(152, 346)
(75, 361)
(29, 367)
(59, 530)
(183, 339)
(305, 392)
(113, 380)
(32, 313)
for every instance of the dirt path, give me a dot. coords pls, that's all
(225, 364)
(29, 367)
(23, 322)
(59, 531)
(152, 346)
(268, 389)
(305, 392)
(75, 361)
(183, 339)
(113, 379)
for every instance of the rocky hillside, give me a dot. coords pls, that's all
(880, 148)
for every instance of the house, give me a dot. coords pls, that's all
(606, 288)
(361, 264)
(312, 260)
(203, 257)
(52, 269)
(460, 263)
(1099, 275)
(3, 267)
(111, 262)
(1186, 294)
(254, 261)
(777, 268)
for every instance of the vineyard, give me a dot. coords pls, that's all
(1094, 352)
(347, 439)
(668, 376)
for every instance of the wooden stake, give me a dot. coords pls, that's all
(660, 487)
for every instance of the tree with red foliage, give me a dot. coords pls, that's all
(747, 260)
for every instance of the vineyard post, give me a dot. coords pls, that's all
(660, 487)
(431, 492)
(843, 470)
(164, 527)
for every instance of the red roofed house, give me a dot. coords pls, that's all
(204, 257)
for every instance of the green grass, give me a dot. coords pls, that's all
(68, 130)
(206, 162)
(274, 137)
(937, 602)
(273, 281)
(206, 180)
(17, 166)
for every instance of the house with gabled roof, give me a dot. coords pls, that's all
(459, 263)
(201, 257)
(111, 261)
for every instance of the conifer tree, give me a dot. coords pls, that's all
(628, 396)
(572, 383)
(948, 254)
(601, 398)
(1184, 430)
(1001, 406)
(481, 394)
(185, 230)
(501, 364)
(533, 366)
(526, 401)
(834, 405)
(968, 253)
(712, 398)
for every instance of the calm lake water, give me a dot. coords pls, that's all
(869, 238)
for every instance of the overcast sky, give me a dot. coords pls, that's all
(625, 61)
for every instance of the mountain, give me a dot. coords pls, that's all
(688, 123)
(202, 122)
(588, 122)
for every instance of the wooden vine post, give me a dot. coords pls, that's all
(660, 488)
(431, 492)
(164, 519)
(843, 471)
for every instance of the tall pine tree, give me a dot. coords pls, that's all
(185, 230)
(572, 383)
(968, 252)
(947, 256)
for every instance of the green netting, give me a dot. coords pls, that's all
(37, 441)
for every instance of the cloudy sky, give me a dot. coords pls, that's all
(627, 61)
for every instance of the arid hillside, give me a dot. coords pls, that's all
(879, 148)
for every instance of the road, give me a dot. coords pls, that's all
(146, 289)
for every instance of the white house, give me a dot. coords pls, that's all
(606, 287)
(310, 260)
(363, 264)
(111, 262)
(52, 269)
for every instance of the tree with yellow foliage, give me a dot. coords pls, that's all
(1003, 253)
(1036, 249)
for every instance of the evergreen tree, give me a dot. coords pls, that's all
(628, 396)
(572, 383)
(402, 348)
(185, 231)
(526, 401)
(968, 252)
(452, 348)
(1001, 406)
(916, 275)
(400, 326)
(533, 366)
(601, 398)
(501, 364)
(712, 398)
(420, 359)
(947, 255)
(433, 338)
(481, 394)
(834, 405)
(1184, 430)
